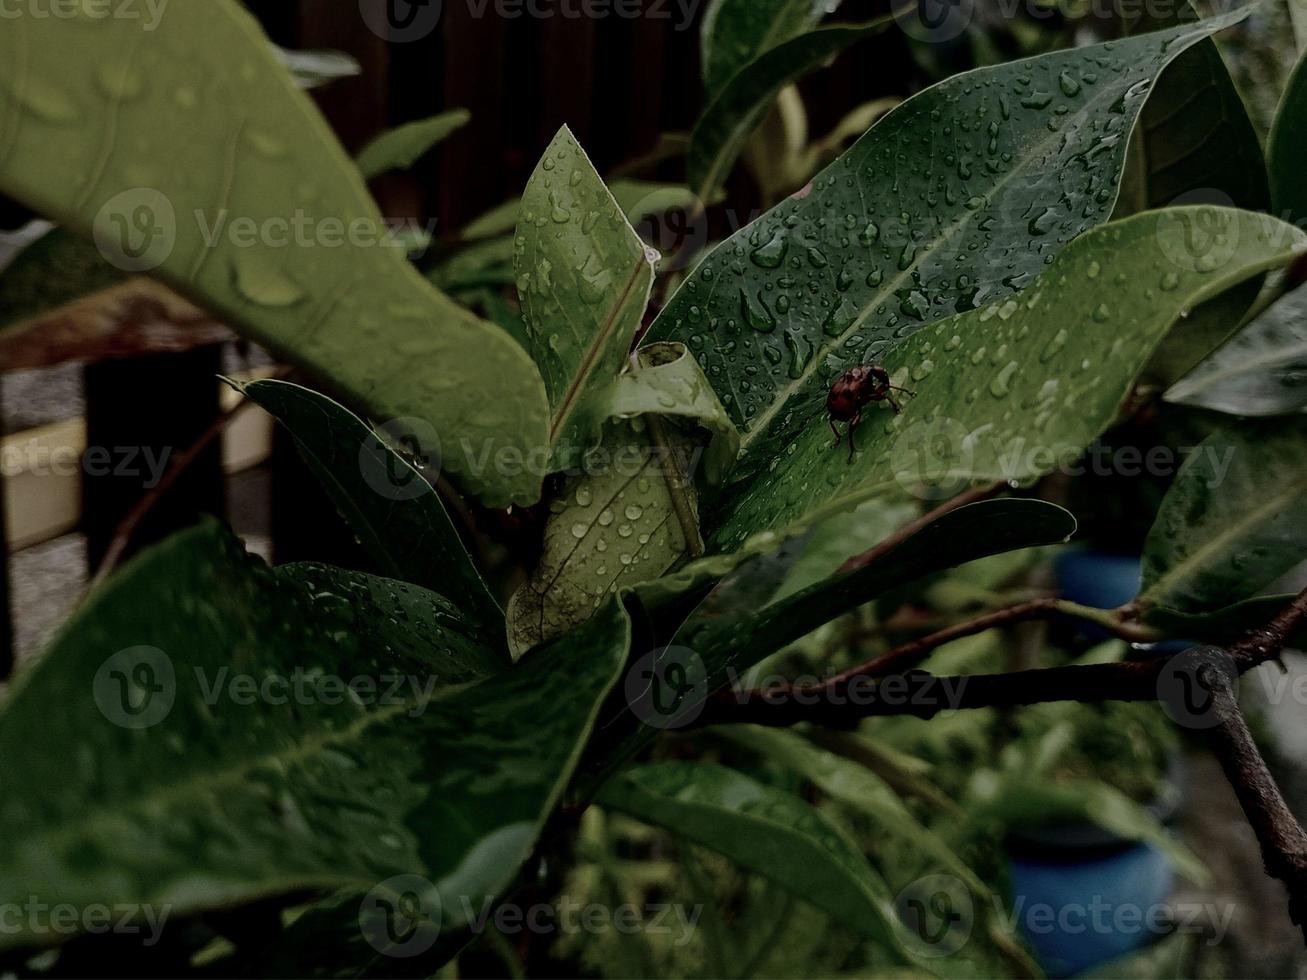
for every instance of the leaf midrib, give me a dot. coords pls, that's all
(1231, 532)
(760, 426)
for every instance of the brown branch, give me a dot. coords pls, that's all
(924, 695)
(1281, 837)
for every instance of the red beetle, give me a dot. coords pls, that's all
(852, 391)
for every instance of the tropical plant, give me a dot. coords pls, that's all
(324, 770)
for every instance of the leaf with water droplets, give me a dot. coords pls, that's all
(230, 734)
(1262, 370)
(1195, 144)
(400, 148)
(1234, 520)
(949, 181)
(188, 152)
(742, 103)
(383, 496)
(1016, 398)
(584, 278)
(768, 832)
(631, 512)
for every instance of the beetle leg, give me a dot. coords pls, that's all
(893, 404)
(910, 394)
(853, 424)
(834, 428)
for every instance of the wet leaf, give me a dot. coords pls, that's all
(631, 511)
(1023, 158)
(188, 153)
(176, 784)
(1010, 391)
(740, 624)
(857, 787)
(743, 102)
(385, 499)
(1234, 520)
(583, 277)
(1226, 625)
(1195, 144)
(400, 148)
(1261, 370)
(766, 831)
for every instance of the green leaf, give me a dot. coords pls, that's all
(400, 148)
(584, 279)
(840, 537)
(858, 787)
(741, 105)
(737, 626)
(188, 152)
(766, 831)
(386, 500)
(1025, 157)
(1287, 146)
(1010, 391)
(55, 270)
(1195, 144)
(173, 786)
(1226, 625)
(735, 32)
(1261, 370)
(638, 199)
(632, 511)
(1234, 520)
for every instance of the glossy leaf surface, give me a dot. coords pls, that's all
(233, 733)
(583, 277)
(1234, 520)
(766, 831)
(385, 499)
(1008, 391)
(187, 151)
(1021, 159)
(735, 32)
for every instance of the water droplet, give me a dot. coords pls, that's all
(1002, 383)
(1054, 346)
(262, 283)
(579, 531)
(771, 254)
(756, 313)
(1101, 313)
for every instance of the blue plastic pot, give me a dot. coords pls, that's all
(1081, 909)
